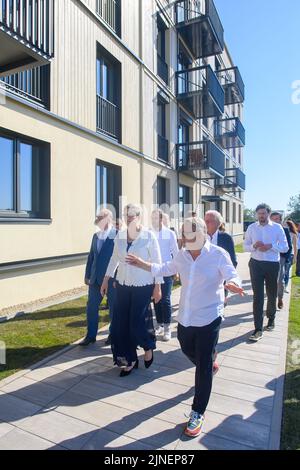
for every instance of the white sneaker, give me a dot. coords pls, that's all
(159, 330)
(167, 333)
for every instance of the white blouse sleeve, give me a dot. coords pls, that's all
(155, 256)
(114, 260)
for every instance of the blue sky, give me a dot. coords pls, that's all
(263, 37)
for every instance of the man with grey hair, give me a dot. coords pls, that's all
(214, 220)
(99, 257)
(203, 269)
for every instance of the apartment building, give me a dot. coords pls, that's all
(109, 102)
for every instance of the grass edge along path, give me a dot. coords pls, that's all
(290, 432)
(32, 337)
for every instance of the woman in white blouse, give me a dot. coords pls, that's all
(132, 322)
(203, 268)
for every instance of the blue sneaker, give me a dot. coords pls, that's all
(194, 425)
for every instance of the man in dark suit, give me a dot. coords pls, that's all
(100, 253)
(214, 220)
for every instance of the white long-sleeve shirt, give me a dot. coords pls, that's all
(145, 246)
(270, 233)
(202, 293)
(167, 243)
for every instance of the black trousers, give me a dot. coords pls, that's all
(198, 344)
(262, 272)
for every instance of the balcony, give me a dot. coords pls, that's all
(234, 179)
(110, 12)
(201, 160)
(33, 85)
(162, 69)
(232, 82)
(230, 133)
(162, 148)
(108, 118)
(200, 92)
(199, 24)
(26, 34)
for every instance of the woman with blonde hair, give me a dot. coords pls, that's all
(132, 324)
(203, 268)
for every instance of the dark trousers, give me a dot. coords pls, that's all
(93, 305)
(198, 344)
(262, 272)
(163, 310)
(132, 323)
(298, 263)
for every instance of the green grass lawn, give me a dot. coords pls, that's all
(239, 248)
(290, 436)
(32, 337)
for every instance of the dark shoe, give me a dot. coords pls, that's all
(148, 363)
(280, 304)
(270, 326)
(87, 341)
(256, 336)
(125, 373)
(108, 341)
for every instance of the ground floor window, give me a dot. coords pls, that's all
(24, 177)
(108, 186)
(185, 200)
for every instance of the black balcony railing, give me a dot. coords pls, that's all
(108, 117)
(199, 24)
(200, 92)
(193, 157)
(234, 179)
(230, 133)
(162, 148)
(233, 85)
(110, 12)
(32, 84)
(162, 69)
(26, 24)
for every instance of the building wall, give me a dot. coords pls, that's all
(74, 149)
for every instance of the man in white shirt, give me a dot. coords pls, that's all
(168, 248)
(203, 268)
(265, 240)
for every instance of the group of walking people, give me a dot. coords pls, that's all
(134, 265)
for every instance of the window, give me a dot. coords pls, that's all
(185, 198)
(234, 213)
(240, 214)
(162, 142)
(24, 177)
(162, 196)
(108, 186)
(108, 90)
(162, 67)
(227, 211)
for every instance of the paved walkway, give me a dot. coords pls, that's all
(76, 400)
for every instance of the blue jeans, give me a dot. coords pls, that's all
(163, 310)
(93, 304)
